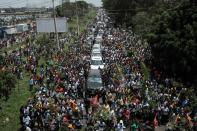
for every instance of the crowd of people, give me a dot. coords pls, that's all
(127, 101)
(14, 39)
(144, 102)
(10, 39)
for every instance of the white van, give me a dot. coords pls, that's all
(96, 46)
(96, 62)
(99, 39)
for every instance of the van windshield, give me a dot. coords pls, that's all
(96, 54)
(96, 62)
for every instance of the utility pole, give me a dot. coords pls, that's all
(77, 18)
(27, 6)
(62, 8)
(54, 17)
(83, 7)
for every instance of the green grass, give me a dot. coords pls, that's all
(19, 96)
(13, 47)
(10, 109)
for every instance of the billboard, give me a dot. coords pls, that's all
(47, 25)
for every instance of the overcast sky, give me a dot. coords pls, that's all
(37, 3)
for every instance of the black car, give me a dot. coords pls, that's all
(94, 82)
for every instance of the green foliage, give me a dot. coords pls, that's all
(130, 53)
(123, 10)
(68, 9)
(173, 40)
(2, 61)
(140, 23)
(7, 83)
(10, 108)
(169, 27)
(145, 71)
(152, 103)
(43, 40)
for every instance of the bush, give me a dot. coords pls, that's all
(7, 83)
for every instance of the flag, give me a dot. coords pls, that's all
(73, 105)
(189, 119)
(177, 119)
(155, 121)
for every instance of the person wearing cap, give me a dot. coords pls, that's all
(120, 126)
(101, 126)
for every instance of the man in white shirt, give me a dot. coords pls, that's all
(26, 120)
(120, 126)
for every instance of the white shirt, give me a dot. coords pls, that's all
(26, 120)
(120, 127)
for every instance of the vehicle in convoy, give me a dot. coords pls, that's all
(97, 54)
(99, 39)
(96, 62)
(96, 51)
(90, 39)
(96, 46)
(110, 36)
(101, 32)
(94, 82)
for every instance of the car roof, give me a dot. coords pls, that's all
(94, 72)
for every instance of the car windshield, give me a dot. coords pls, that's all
(95, 78)
(95, 48)
(96, 62)
(96, 51)
(96, 54)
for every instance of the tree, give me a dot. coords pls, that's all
(68, 9)
(123, 10)
(2, 61)
(7, 83)
(173, 40)
(141, 23)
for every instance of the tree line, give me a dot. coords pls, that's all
(69, 9)
(170, 28)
